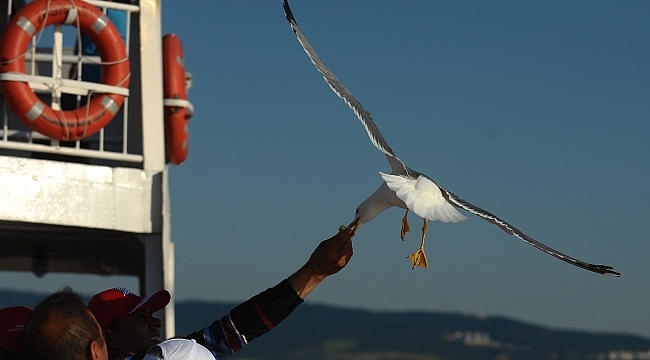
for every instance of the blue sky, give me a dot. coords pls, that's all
(538, 112)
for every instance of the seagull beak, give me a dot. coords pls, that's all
(354, 225)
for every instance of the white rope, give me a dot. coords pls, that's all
(65, 85)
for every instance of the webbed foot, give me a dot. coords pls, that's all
(419, 259)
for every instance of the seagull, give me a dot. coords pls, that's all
(410, 189)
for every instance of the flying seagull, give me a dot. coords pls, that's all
(410, 189)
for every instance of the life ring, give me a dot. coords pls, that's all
(177, 109)
(100, 109)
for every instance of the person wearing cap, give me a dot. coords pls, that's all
(12, 322)
(126, 320)
(130, 329)
(60, 327)
(178, 349)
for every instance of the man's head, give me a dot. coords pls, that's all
(60, 327)
(12, 321)
(126, 319)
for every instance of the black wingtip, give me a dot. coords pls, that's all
(600, 269)
(287, 11)
(608, 270)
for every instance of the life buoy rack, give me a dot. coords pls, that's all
(178, 110)
(109, 95)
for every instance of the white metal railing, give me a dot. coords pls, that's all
(14, 135)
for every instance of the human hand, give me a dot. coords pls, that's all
(329, 257)
(332, 254)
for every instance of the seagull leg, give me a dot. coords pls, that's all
(419, 258)
(405, 225)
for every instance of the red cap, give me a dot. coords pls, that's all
(12, 321)
(115, 303)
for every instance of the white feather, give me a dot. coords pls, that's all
(423, 197)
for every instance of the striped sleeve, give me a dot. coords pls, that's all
(248, 320)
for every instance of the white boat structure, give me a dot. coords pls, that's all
(91, 199)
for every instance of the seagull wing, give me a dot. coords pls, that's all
(377, 139)
(489, 217)
(398, 165)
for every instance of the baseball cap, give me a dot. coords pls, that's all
(111, 304)
(178, 349)
(12, 321)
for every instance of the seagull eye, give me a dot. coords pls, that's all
(356, 211)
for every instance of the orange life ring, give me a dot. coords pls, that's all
(177, 107)
(63, 124)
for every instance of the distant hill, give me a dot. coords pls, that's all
(323, 332)
(330, 333)
(11, 298)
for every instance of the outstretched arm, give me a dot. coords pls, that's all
(264, 311)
